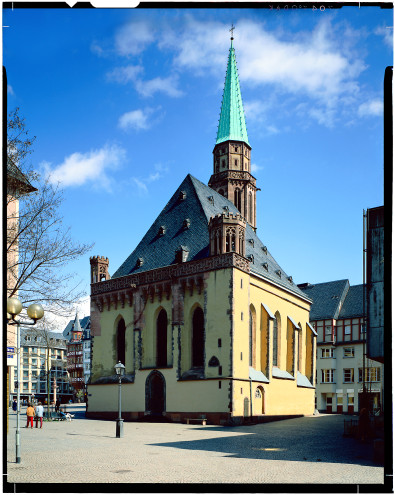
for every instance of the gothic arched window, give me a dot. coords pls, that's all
(276, 329)
(237, 199)
(121, 331)
(250, 207)
(198, 338)
(161, 339)
(252, 336)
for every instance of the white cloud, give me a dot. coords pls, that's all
(143, 182)
(136, 119)
(125, 74)
(373, 107)
(166, 85)
(255, 168)
(10, 91)
(321, 65)
(131, 73)
(81, 168)
(387, 33)
(133, 38)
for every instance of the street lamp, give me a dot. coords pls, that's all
(120, 371)
(35, 312)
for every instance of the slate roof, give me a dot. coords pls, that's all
(45, 335)
(232, 124)
(200, 203)
(85, 327)
(327, 297)
(353, 304)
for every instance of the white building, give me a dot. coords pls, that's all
(42, 353)
(337, 316)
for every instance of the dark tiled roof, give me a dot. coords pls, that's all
(200, 203)
(33, 333)
(327, 297)
(85, 327)
(15, 176)
(353, 304)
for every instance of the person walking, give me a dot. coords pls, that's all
(39, 414)
(57, 405)
(14, 405)
(30, 415)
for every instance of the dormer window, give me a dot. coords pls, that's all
(265, 266)
(264, 249)
(251, 241)
(251, 258)
(162, 230)
(290, 279)
(226, 208)
(211, 199)
(186, 224)
(182, 196)
(278, 273)
(140, 262)
(182, 254)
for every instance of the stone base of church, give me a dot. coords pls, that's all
(213, 418)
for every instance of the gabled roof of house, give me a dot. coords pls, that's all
(353, 304)
(232, 124)
(184, 222)
(328, 298)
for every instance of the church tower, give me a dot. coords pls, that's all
(232, 152)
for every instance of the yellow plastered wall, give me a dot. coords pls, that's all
(105, 345)
(280, 396)
(218, 321)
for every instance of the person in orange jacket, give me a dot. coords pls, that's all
(30, 415)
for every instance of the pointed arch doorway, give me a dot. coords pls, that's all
(155, 394)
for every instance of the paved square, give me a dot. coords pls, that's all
(304, 450)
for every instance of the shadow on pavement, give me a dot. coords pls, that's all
(309, 440)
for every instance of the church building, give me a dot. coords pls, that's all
(206, 322)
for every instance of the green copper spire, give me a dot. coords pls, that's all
(232, 124)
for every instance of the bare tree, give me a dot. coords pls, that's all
(38, 245)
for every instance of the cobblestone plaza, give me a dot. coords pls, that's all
(304, 450)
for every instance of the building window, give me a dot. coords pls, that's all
(347, 330)
(327, 352)
(328, 329)
(327, 376)
(237, 199)
(371, 374)
(348, 375)
(348, 352)
(198, 338)
(161, 339)
(121, 329)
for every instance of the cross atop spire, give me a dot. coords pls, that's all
(231, 31)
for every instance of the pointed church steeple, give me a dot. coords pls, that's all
(232, 125)
(232, 152)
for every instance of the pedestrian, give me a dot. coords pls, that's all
(39, 414)
(30, 415)
(57, 405)
(14, 405)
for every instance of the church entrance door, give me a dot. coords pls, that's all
(155, 393)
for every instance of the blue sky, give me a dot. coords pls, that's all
(125, 103)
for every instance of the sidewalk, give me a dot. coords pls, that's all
(303, 450)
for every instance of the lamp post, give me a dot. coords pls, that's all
(120, 371)
(35, 312)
